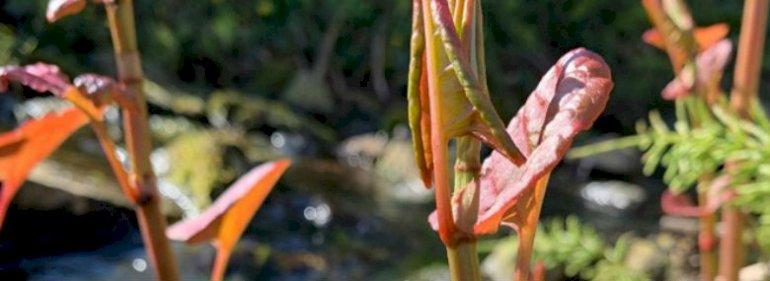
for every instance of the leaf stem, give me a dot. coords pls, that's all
(528, 230)
(152, 223)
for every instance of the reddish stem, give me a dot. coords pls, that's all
(745, 85)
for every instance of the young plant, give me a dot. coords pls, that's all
(449, 100)
(33, 141)
(722, 148)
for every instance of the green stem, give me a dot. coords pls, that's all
(463, 262)
(152, 223)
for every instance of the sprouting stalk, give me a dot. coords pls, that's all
(463, 259)
(120, 15)
(528, 230)
(745, 86)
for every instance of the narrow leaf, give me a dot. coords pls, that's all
(417, 94)
(224, 222)
(30, 143)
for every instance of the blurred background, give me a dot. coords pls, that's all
(235, 83)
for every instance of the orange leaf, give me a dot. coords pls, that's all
(704, 36)
(224, 222)
(30, 143)
(710, 35)
(58, 9)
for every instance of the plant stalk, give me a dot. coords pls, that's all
(745, 86)
(463, 262)
(463, 258)
(152, 223)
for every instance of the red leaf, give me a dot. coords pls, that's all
(40, 77)
(30, 143)
(709, 67)
(568, 100)
(681, 205)
(58, 9)
(224, 222)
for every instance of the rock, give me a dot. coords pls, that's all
(432, 273)
(612, 197)
(645, 256)
(677, 224)
(396, 167)
(755, 272)
(309, 91)
(362, 150)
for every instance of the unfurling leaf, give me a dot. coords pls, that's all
(709, 67)
(224, 222)
(567, 101)
(30, 143)
(58, 9)
(447, 87)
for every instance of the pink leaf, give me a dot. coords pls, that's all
(40, 77)
(709, 67)
(58, 9)
(568, 100)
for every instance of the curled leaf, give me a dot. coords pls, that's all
(568, 100)
(58, 9)
(224, 222)
(30, 143)
(710, 65)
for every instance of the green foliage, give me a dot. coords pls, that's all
(611, 268)
(576, 249)
(570, 244)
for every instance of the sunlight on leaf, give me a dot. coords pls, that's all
(224, 222)
(30, 143)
